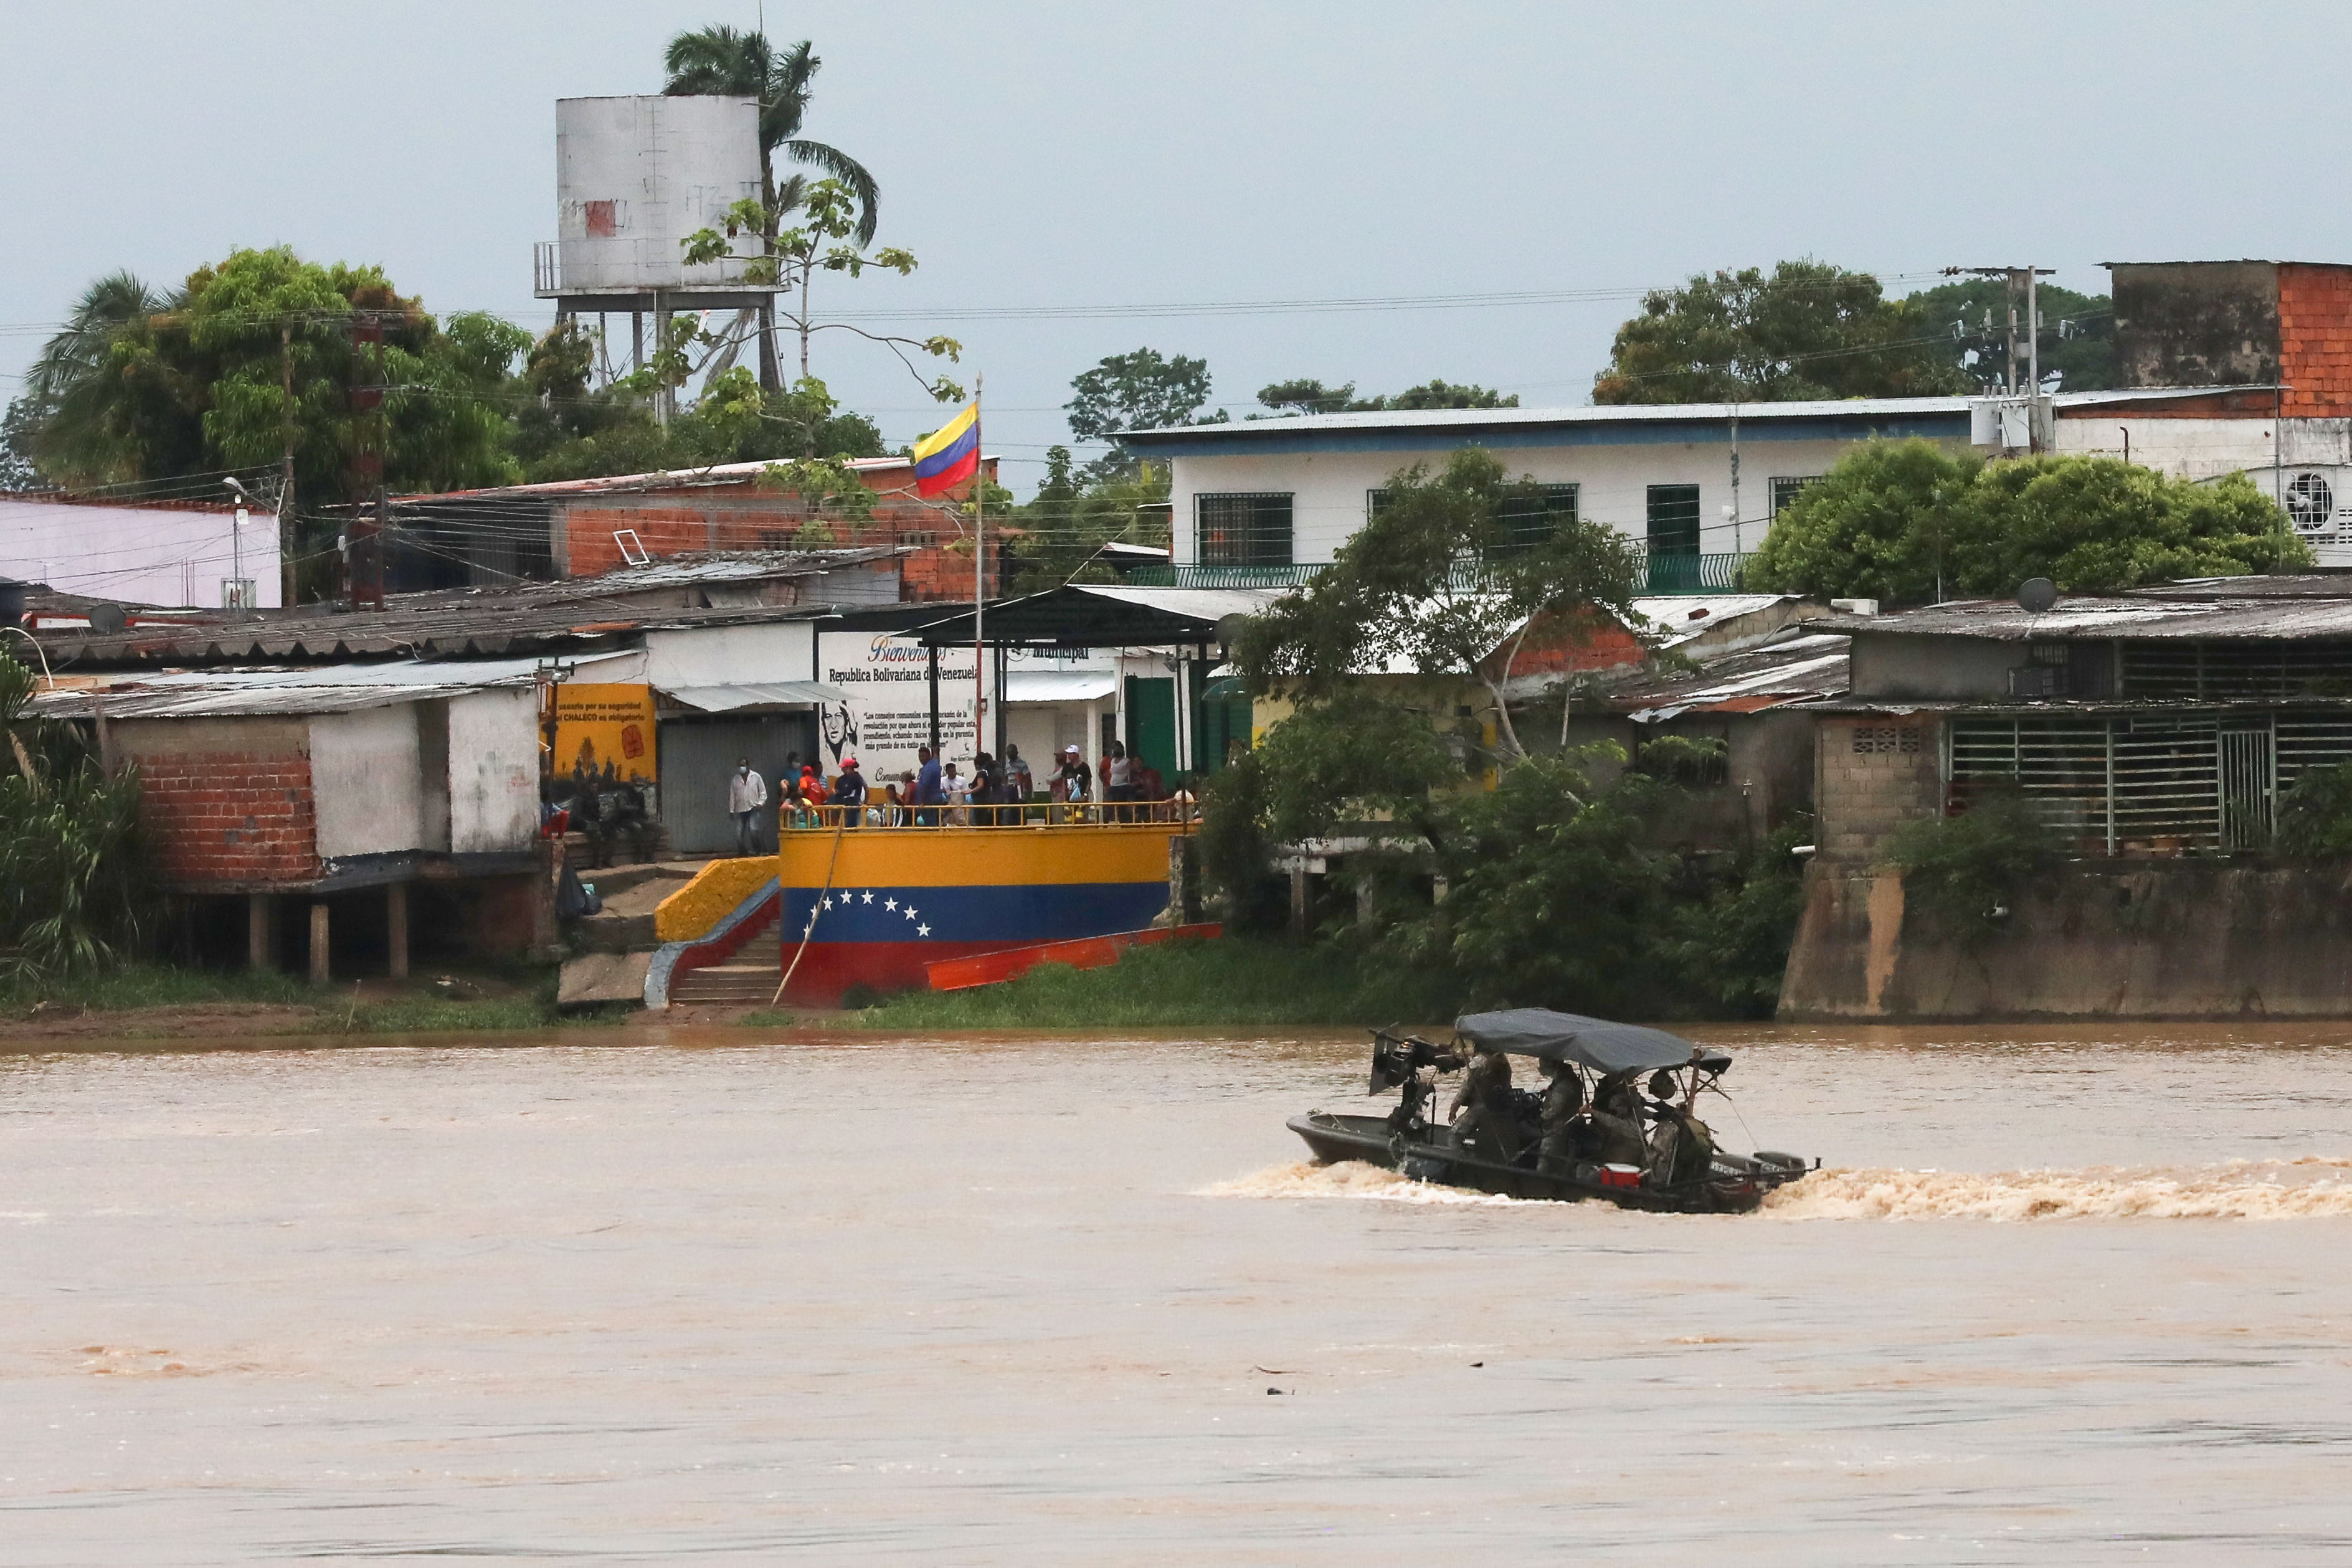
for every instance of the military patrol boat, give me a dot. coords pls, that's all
(1602, 1140)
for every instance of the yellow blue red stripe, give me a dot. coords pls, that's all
(949, 455)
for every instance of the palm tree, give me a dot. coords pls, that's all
(106, 307)
(91, 426)
(721, 61)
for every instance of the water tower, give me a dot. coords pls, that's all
(634, 178)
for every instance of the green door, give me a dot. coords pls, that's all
(1151, 722)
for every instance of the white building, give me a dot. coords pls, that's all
(153, 552)
(1697, 483)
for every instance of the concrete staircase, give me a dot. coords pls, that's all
(631, 895)
(749, 977)
(619, 938)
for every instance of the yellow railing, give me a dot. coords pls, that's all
(1181, 816)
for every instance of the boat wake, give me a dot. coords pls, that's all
(2314, 1187)
(1347, 1178)
(2305, 1188)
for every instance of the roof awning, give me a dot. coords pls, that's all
(762, 694)
(1091, 615)
(1059, 686)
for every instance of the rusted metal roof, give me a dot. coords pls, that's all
(232, 694)
(2239, 608)
(483, 622)
(1798, 668)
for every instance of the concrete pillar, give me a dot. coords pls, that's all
(256, 930)
(395, 909)
(1298, 900)
(1183, 879)
(319, 943)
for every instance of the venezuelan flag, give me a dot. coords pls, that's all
(949, 455)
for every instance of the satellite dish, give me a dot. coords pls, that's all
(107, 620)
(2036, 594)
(1229, 629)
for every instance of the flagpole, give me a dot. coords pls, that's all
(978, 583)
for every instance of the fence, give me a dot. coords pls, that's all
(1182, 812)
(1667, 574)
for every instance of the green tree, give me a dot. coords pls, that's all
(1910, 522)
(2078, 332)
(1141, 391)
(202, 386)
(722, 61)
(1445, 581)
(1807, 331)
(1062, 529)
(1305, 395)
(821, 244)
(74, 888)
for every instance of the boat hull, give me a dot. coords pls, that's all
(1370, 1139)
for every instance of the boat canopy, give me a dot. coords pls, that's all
(1597, 1044)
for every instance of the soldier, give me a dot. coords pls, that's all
(1563, 1098)
(1481, 1106)
(1617, 1123)
(1682, 1147)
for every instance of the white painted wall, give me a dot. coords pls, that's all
(1330, 489)
(146, 555)
(493, 771)
(367, 785)
(724, 655)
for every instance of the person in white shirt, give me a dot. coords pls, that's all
(747, 792)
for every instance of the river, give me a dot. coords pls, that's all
(2067, 1295)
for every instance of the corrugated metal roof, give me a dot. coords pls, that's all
(227, 694)
(1640, 413)
(757, 693)
(1801, 668)
(2178, 612)
(469, 623)
(676, 479)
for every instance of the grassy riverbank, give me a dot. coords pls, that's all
(146, 1000)
(1236, 980)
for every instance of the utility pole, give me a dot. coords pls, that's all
(2021, 280)
(979, 582)
(286, 475)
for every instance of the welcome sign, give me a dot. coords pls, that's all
(887, 681)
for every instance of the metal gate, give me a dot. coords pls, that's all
(698, 756)
(2249, 770)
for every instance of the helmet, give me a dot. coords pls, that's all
(1661, 1084)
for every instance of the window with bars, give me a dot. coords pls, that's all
(1526, 520)
(2179, 670)
(2150, 783)
(1674, 519)
(1243, 528)
(1785, 490)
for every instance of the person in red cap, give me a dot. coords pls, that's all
(849, 789)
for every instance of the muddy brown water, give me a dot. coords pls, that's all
(2067, 1295)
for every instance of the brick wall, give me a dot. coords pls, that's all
(228, 803)
(1555, 647)
(2315, 339)
(740, 516)
(1873, 773)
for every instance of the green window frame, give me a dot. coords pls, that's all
(1242, 527)
(1674, 519)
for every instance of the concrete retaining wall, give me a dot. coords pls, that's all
(2188, 939)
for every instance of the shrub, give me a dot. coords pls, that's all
(2314, 817)
(1970, 870)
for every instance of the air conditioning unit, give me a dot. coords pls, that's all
(2317, 499)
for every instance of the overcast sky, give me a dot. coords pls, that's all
(1156, 154)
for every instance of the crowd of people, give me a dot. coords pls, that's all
(937, 793)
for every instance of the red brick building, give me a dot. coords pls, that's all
(579, 527)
